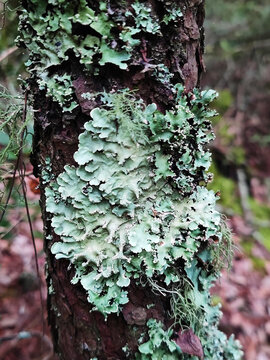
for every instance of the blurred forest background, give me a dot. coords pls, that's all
(238, 66)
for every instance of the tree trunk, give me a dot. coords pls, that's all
(78, 50)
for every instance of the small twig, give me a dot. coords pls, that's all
(21, 170)
(11, 228)
(3, 12)
(10, 176)
(13, 179)
(21, 335)
(244, 195)
(248, 215)
(3, 15)
(7, 52)
(27, 335)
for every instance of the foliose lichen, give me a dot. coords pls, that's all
(123, 212)
(47, 31)
(160, 344)
(134, 206)
(143, 18)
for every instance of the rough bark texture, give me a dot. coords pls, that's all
(78, 333)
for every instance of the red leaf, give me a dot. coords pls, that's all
(189, 343)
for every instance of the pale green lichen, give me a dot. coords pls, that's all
(48, 34)
(124, 213)
(60, 88)
(162, 74)
(46, 171)
(121, 210)
(174, 13)
(143, 18)
(160, 345)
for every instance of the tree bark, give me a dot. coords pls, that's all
(79, 334)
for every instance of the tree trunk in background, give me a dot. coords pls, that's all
(79, 334)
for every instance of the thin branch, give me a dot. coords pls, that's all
(13, 178)
(28, 335)
(21, 170)
(3, 235)
(248, 215)
(10, 176)
(7, 52)
(244, 195)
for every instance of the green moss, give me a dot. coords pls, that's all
(216, 300)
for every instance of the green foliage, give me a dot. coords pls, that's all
(12, 60)
(247, 246)
(265, 234)
(259, 210)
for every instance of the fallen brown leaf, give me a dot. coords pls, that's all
(189, 343)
